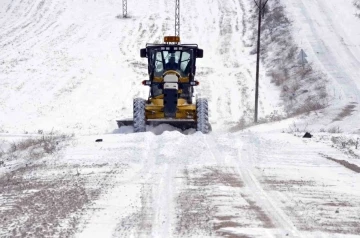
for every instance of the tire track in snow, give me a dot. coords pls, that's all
(154, 217)
(245, 168)
(34, 20)
(303, 185)
(162, 226)
(243, 165)
(6, 6)
(168, 165)
(118, 212)
(234, 212)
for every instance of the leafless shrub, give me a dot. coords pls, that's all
(37, 147)
(345, 143)
(323, 94)
(292, 52)
(246, 123)
(307, 107)
(304, 71)
(280, 54)
(357, 3)
(339, 140)
(294, 128)
(23, 145)
(272, 117)
(294, 87)
(277, 78)
(241, 125)
(2, 153)
(334, 129)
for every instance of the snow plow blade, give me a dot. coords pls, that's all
(182, 124)
(121, 123)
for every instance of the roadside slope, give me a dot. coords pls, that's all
(329, 34)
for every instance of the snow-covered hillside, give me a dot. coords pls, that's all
(75, 66)
(69, 69)
(329, 33)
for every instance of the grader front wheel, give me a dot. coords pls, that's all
(202, 113)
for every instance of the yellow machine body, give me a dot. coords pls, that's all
(171, 71)
(154, 108)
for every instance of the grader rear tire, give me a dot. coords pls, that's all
(139, 115)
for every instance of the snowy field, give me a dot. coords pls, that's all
(69, 69)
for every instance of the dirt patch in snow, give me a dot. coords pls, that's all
(194, 212)
(347, 111)
(224, 218)
(286, 184)
(39, 201)
(346, 164)
(337, 204)
(228, 234)
(138, 223)
(216, 176)
(317, 207)
(212, 200)
(259, 213)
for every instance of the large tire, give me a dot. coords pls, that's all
(139, 115)
(202, 113)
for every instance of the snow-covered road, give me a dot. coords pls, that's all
(175, 185)
(243, 184)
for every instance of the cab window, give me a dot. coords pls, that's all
(159, 67)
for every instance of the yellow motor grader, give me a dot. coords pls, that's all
(171, 69)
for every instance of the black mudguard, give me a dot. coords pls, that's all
(170, 103)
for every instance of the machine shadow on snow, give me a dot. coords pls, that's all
(157, 130)
(120, 16)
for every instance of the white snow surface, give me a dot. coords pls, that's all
(74, 67)
(329, 33)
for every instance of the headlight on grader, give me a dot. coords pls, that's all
(194, 83)
(146, 82)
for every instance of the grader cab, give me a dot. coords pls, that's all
(171, 70)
